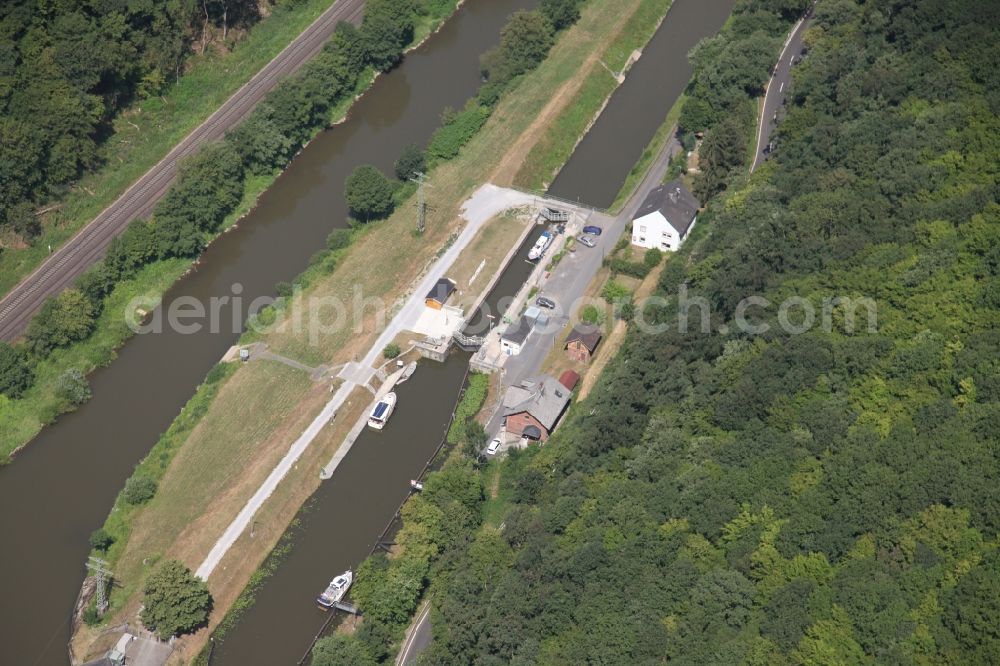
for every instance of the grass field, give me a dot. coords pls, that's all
(193, 505)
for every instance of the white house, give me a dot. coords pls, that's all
(665, 218)
(514, 337)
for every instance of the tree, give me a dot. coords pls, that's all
(391, 350)
(101, 540)
(368, 193)
(63, 319)
(340, 650)
(16, 374)
(411, 161)
(139, 489)
(524, 42)
(562, 13)
(386, 30)
(175, 602)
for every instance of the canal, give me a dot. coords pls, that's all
(601, 162)
(277, 629)
(60, 487)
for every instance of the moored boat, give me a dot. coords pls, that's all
(336, 590)
(407, 372)
(382, 411)
(541, 245)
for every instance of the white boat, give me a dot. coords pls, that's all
(382, 411)
(407, 372)
(336, 590)
(541, 245)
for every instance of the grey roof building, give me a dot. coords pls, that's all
(544, 399)
(665, 217)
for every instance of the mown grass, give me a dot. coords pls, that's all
(558, 143)
(146, 132)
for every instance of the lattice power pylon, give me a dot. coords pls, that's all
(421, 180)
(101, 572)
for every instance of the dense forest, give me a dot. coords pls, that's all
(824, 496)
(67, 68)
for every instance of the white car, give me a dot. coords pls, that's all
(587, 240)
(494, 446)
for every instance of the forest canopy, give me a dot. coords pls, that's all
(68, 68)
(826, 497)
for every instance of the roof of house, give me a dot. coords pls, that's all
(440, 292)
(588, 336)
(543, 398)
(569, 379)
(517, 332)
(674, 202)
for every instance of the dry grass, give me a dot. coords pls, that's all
(229, 454)
(488, 249)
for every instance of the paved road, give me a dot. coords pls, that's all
(775, 95)
(418, 637)
(89, 245)
(569, 281)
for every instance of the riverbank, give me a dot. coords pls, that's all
(22, 419)
(221, 437)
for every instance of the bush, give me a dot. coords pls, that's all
(652, 258)
(457, 130)
(175, 601)
(410, 162)
(615, 292)
(16, 374)
(391, 350)
(339, 239)
(63, 319)
(368, 193)
(101, 540)
(73, 387)
(139, 490)
(592, 315)
(630, 268)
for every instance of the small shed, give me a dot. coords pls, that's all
(440, 293)
(512, 340)
(569, 379)
(582, 341)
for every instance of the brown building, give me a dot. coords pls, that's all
(582, 342)
(533, 408)
(440, 293)
(569, 379)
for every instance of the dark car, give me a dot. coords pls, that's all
(593, 231)
(544, 302)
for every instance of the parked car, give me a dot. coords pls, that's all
(544, 302)
(494, 446)
(593, 231)
(586, 240)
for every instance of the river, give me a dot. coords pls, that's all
(61, 486)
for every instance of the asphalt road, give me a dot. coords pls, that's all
(775, 95)
(418, 637)
(568, 282)
(89, 245)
